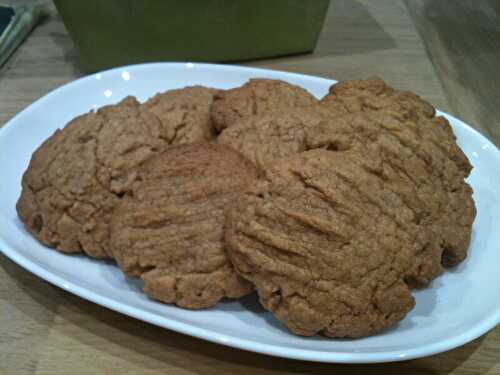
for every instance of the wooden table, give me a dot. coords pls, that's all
(44, 330)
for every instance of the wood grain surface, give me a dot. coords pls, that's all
(45, 330)
(463, 42)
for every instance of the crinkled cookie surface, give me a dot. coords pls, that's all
(77, 176)
(169, 230)
(257, 97)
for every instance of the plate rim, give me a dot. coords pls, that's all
(206, 334)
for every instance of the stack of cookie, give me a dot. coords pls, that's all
(333, 210)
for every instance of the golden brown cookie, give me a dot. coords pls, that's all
(78, 175)
(185, 112)
(257, 96)
(264, 138)
(417, 147)
(374, 94)
(169, 230)
(379, 157)
(327, 244)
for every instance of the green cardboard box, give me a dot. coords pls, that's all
(111, 33)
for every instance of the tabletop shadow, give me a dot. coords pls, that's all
(339, 37)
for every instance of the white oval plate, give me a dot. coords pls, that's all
(459, 306)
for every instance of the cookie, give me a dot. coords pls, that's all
(267, 137)
(336, 236)
(374, 94)
(169, 230)
(257, 96)
(186, 113)
(78, 175)
(417, 147)
(327, 244)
